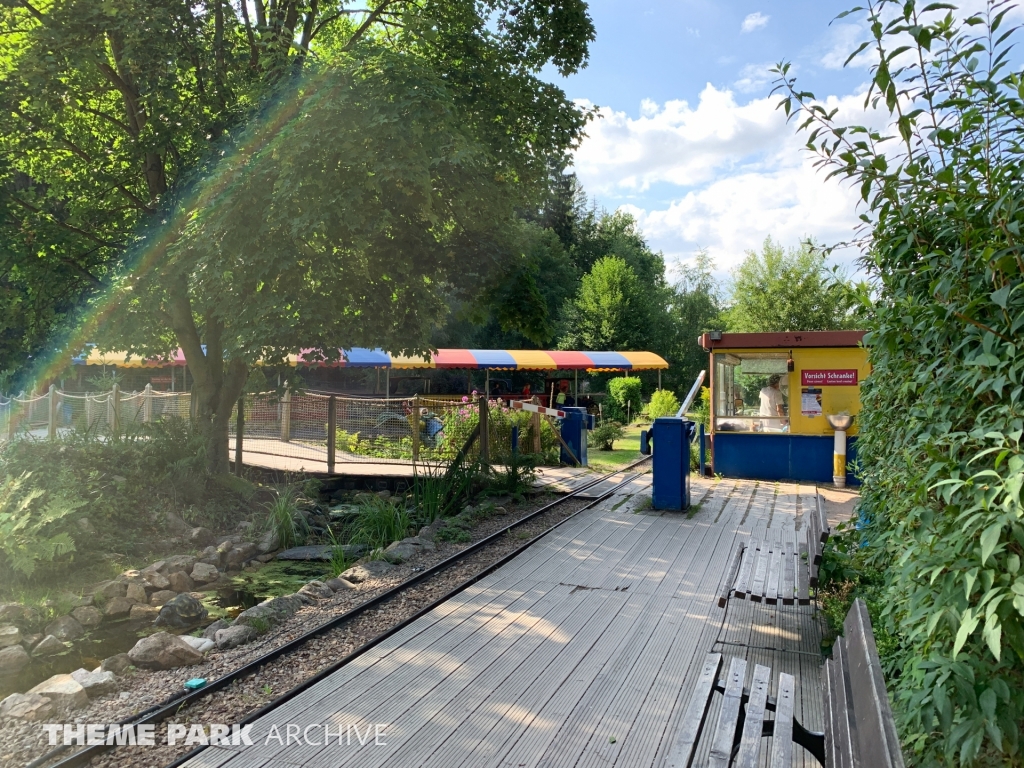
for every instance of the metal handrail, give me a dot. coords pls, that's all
(692, 394)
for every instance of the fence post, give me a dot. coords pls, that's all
(286, 415)
(535, 425)
(414, 425)
(239, 430)
(147, 404)
(10, 417)
(115, 404)
(51, 426)
(485, 442)
(332, 432)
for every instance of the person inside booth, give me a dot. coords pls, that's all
(773, 405)
(563, 398)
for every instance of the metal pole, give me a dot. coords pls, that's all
(387, 384)
(332, 432)
(576, 388)
(414, 426)
(239, 431)
(692, 394)
(487, 382)
(659, 378)
(535, 425)
(485, 443)
(286, 415)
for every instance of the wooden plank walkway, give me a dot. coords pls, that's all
(581, 652)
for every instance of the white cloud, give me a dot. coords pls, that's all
(754, 21)
(720, 175)
(756, 77)
(842, 40)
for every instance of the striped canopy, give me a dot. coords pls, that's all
(473, 359)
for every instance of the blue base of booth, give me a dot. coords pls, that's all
(779, 456)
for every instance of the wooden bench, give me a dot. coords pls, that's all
(859, 727)
(777, 568)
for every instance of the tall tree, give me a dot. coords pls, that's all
(788, 290)
(696, 308)
(612, 310)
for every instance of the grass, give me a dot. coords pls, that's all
(379, 523)
(283, 517)
(627, 449)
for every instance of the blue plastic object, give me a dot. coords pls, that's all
(195, 683)
(515, 439)
(672, 437)
(574, 432)
(645, 443)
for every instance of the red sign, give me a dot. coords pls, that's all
(829, 378)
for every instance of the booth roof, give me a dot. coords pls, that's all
(474, 359)
(787, 340)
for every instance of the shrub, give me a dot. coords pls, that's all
(380, 522)
(604, 435)
(624, 398)
(663, 403)
(30, 519)
(283, 517)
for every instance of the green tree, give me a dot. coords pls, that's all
(612, 310)
(695, 308)
(787, 290)
(942, 424)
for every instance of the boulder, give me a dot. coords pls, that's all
(210, 632)
(240, 553)
(20, 615)
(32, 707)
(272, 611)
(95, 683)
(371, 569)
(183, 611)
(210, 556)
(163, 651)
(179, 563)
(88, 616)
(234, 636)
(400, 551)
(269, 541)
(63, 691)
(110, 590)
(13, 659)
(181, 581)
(317, 590)
(201, 537)
(118, 608)
(429, 532)
(204, 573)
(49, 646)
(9, 635)
(116, 664)
(27, 641)
(158, 567)
(321, 552)
(136, 592)
(146, 613)
(225, 545)
(156, 580)
(339, 585)
(265, 558)
(384, 494)
(176, 525)
(64, 628)
(162, 597)
(201, 644)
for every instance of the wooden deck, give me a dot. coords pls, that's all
(582, 651)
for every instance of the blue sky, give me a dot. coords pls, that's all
(690, 140)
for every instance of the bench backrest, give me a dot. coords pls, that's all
(818, 531)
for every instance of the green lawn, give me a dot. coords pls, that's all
(626, 450)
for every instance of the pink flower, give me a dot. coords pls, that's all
(465, 399)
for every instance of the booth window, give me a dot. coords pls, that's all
(739, 382)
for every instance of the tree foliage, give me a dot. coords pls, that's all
(787, 290)
(941, 429)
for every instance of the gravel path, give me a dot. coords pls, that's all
(22, 742)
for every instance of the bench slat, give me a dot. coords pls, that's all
(803, 591)
(774, 571)
(841, 708)
(823, 527)
(750, 741)
(760, 574)
(876, 730)
(747, 568)
(681, 755)
(813, 577)
(788, 581)
(731, 575)
(832, 759)
(725, 732)
(782, 738)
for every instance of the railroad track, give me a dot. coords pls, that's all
(474, 558)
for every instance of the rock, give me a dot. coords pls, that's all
(234, 636)
(19, 615)
(116, 664)
(49, 646)
(158, 567)
(224, 546)
(144, 613)
(163, 651)
(88, 616)
(384, 495)
(272, 611)
(156, 580)
(179, 563)
(371, 569)
(501, 501)
(499, 511)
(183, 611)
(176, 525)
(243, 527)
(64, 628)
(317, 590)
(110, 590)
(201, 644)
(181, 581)
(136, 592)
(268, 542)
(162, 597)
(27, 641)
(95, 683)
(13, 659)
(63, 691)
(9, 635)
(118, 608)
(321, 552)
(204, 573)
(201, 537)
(210, 556)
(400, 551)
(240, 553)
(339, 585)
(32, 707)
(211, 630)
(265, 558)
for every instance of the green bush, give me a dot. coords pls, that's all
(604, 435)
(284, 519)
(31, 526)
(663, 403)
(379, 523)
(625, 401)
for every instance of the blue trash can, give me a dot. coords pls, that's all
(574, 432)
(671, 438)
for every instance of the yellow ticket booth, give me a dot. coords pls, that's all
(771, 396)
